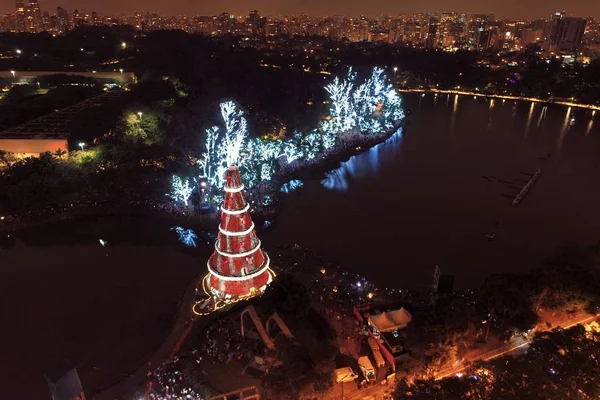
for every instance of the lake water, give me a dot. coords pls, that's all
(432, 193)
(99, 294)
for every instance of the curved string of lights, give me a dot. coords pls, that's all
(242, 233)
(256, 273)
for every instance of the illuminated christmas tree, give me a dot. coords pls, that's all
(239, 267)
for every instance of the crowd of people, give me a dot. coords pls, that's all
(221, 341)
(335, 293)
(168, 382)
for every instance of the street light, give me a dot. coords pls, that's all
(395, 70)
(140, 115)
(82, 145)
(19, 51)
(121, 70)
(14, 74)
(123, 45)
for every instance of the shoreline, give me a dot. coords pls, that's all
(356, 145)
(196, 221)
(11, 223)
(502, 97)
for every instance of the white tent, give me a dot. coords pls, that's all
(400, 317)
(390, 320)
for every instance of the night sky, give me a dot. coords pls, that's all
(502, 8)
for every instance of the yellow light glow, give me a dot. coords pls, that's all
(503, 97)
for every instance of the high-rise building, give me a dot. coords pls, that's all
(34, 16)
(78, 19)
(64, 22)
(486, 39)
(553, 26)
(8, 22)
(21, 17)
(570, 34)
(432, 33)
(95, 18)
(567, 33)
(253, 22)
(531, 36)
(478, 24)
(225, 23)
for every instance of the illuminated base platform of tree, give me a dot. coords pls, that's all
(215, 300)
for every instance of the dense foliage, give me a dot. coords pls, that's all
(308, 362)
(557, 365)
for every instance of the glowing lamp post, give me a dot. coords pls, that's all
(123, 45)
(140, 115)
(19, 51)
(81, 145)
(14, 74)
(395, 70)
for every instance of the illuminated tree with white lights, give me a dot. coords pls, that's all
(370, 107)
(342, 111)
(223, 147)
(181, 190)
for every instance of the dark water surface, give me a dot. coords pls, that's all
(67, 299)
(394, 212)
(391, 214)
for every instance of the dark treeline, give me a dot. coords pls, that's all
(230, 67)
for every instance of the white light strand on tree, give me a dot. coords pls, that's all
(181, 190)
(341, 111)
(224, 149)
(236, 132)
(369, 107)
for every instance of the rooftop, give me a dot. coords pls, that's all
(56, 124)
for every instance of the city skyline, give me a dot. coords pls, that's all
(504, 10)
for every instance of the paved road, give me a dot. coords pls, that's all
(522, 343)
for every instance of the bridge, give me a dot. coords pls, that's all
(519, 198)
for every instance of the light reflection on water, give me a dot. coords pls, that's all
(531, 107)
(433, 197)
(357, 166)
(291, 186)
(563, 130)
(590, 124)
